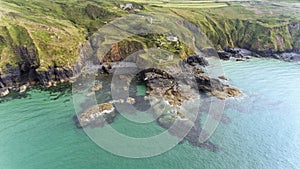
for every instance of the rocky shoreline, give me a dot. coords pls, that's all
(171, 90)
(240, 54)
(25, 75)
(175, 84)
(19, 80)
(161, 84)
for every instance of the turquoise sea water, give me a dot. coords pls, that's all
(37, 131)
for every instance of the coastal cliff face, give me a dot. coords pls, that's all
(40, 41)
(271, 33)
(121, 50)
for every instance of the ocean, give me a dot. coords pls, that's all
(263, 130)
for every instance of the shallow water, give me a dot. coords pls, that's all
(37, 131)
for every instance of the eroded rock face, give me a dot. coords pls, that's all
(27, 70)
(119, 51)
(53, 75)
(2, 85)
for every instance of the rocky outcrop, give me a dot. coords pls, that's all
(18, 77)
(100, 114)
(224, 55)
(177, 82)
(97, 115)
(242, 54)
(236, 53)
(194, 60)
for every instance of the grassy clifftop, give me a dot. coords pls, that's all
(54, 29)
(46, 33)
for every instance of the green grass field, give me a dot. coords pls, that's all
(184, 4)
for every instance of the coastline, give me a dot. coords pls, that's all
(18, 79)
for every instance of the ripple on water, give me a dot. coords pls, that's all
(37, 131)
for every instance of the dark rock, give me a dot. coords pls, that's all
(106, 68)
(11, 77)
(224, 55)
(231, 50)
(276, 56)
(2, 84)
(54, 74)
(193, 60)
(163, 84)
(208, 84)
(247, 57)
(239, 59)
(222, 77)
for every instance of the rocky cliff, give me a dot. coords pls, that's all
(40, 40)
(265, 30)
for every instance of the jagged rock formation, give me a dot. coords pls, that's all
(97, 115)
(177, 82)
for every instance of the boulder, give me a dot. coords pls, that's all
(224, 55)
(194, 60)
(223, 77)
(4, 92)
(106, 68)
(23, 88)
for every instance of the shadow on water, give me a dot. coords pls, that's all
(56, 92)
(14, 95)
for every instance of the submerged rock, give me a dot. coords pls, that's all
(97, 88)
(227, 92)
(232, 91)
(130, 100)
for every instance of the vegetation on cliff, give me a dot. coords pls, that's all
(43, 34)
